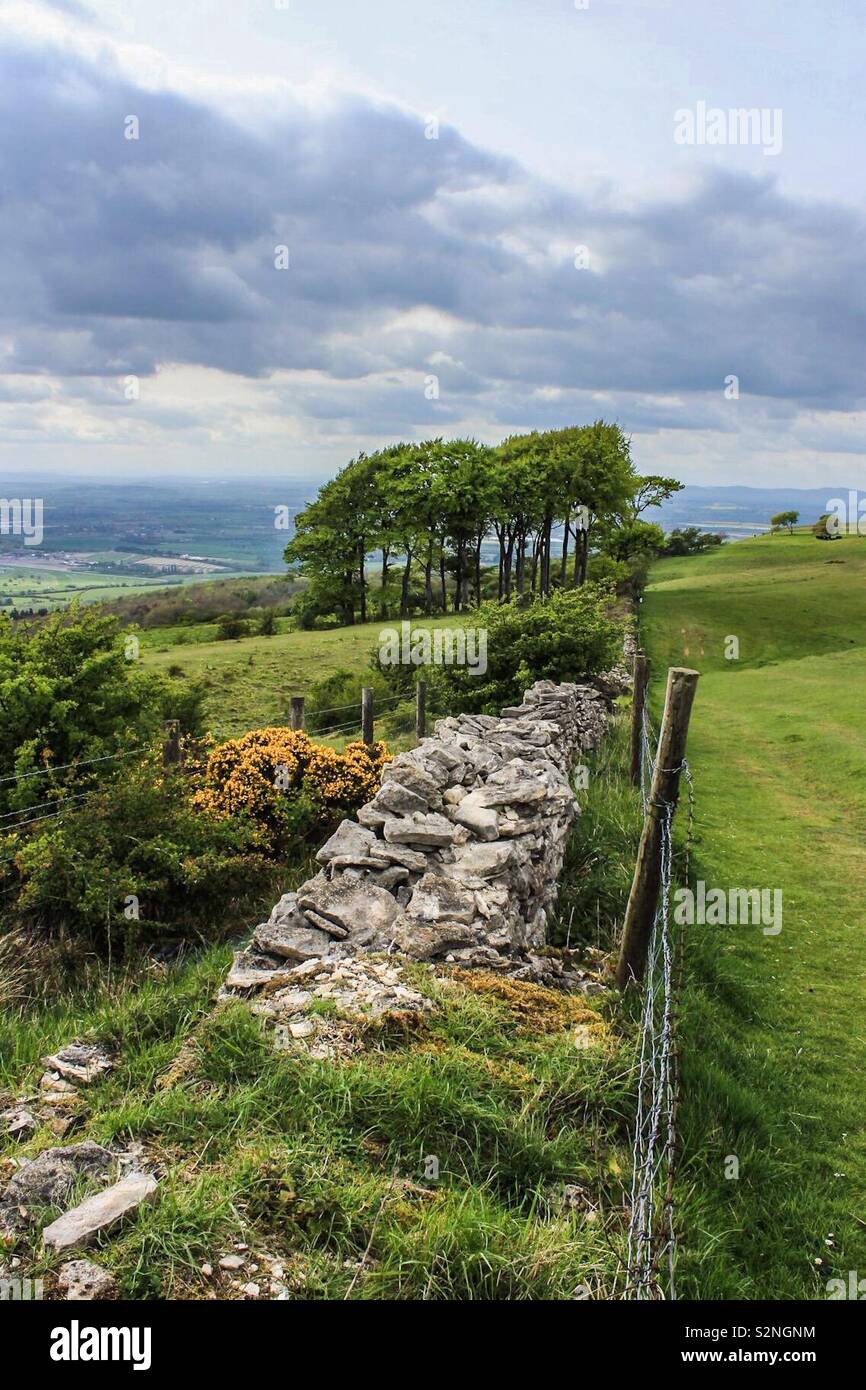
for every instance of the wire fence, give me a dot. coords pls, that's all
(50, 810)
(652, 1247)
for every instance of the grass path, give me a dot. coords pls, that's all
(774, 1028)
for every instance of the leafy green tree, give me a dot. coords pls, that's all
(650, 491)
(71, 691)
(600, 481)
(464, 499)
(785, 521)
(690, 540)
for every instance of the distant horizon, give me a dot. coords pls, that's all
(262, 479)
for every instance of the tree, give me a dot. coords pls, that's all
(690, 540)
(600, 481)
(785, 521)
(464, 498)
(333, 536)
(652, 489)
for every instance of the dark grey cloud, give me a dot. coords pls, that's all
(119, 255)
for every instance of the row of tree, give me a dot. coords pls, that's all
(428, 509)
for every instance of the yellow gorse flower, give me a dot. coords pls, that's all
(255, 773)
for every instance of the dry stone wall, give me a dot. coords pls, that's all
(457, 856)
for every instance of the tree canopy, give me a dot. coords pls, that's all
(434, 506)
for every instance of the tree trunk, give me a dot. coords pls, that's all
(404, 588)
(383, 601)
(428, 579)
(581, 556)
(362, 571)
(509, 560)
(563, 570)
(500, 587)
(442, 579)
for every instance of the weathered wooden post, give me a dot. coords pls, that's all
(367, 715)
(420, 710)
(640, 681)
(296, 713)
(643, 898)
(171, 754)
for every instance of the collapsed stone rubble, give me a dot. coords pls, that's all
(456, 858)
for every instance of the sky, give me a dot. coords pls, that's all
(248, 237)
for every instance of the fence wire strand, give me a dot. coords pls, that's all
(651, 1231)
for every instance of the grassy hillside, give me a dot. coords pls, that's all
(773, 1043)
(250, 681)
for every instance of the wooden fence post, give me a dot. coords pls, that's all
(640, 681)
(171, 755)
(296, 713)
(420, 710)
(643, 898)
(367, 715)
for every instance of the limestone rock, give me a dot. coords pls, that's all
(348, 839)
(18, 1122)
(80, 1062)
(419, 829)
(399, 800)
(83, 1281)
(472, 813)
(291, 941)
(348, 906)
(253, 969)
(509, 788)
(410, 859)
(484, 861)
(414, 778)
(98, 1213)
(427, 942)
(440, 899)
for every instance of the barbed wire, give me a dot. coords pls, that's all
(355, 704)
(52, 815)
(651, 1231)
(65, 767)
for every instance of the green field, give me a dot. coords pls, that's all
(251, 680)
(774, 1031)
(55, 588)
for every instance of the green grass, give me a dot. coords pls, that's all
(773, 1033)
(319, 1162)
(250, 681)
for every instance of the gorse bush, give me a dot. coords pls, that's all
(287, 784)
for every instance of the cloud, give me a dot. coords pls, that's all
(407, 257)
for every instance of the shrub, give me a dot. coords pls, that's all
(561, 638)
(68, 694)
(133, 863)
(230, 627)
(336, 700)
(287, 784)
